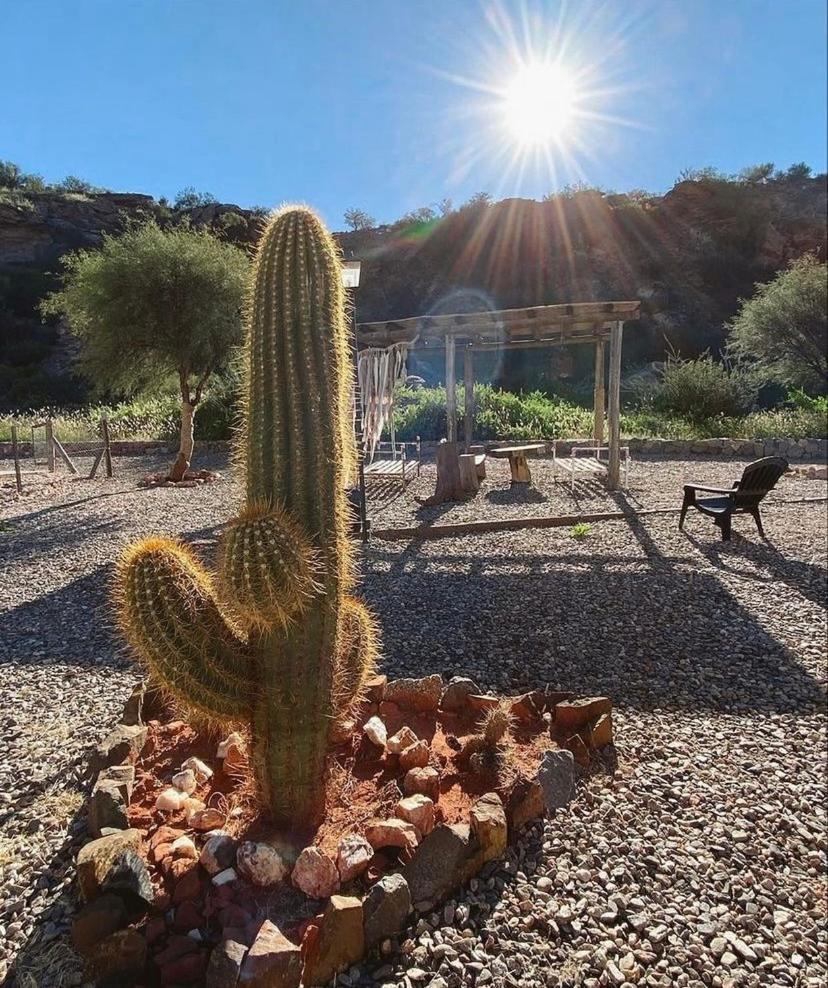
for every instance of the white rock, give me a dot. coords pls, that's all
(232, 740)
(401, 740)
(225, 877)
(376, 732)
(352, 856)
(183, 847)
(418, 810)
(261, 863)
(315, 874)
(170, 800)
(185, 781)
(202, 771)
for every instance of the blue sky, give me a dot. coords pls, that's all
(384, 104)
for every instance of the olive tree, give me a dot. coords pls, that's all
(152, 305)
(783, 328)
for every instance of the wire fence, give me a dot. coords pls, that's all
(44, 452)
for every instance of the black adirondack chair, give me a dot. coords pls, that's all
(743, 497)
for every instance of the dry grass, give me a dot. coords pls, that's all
(52, 965)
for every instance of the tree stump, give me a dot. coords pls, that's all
(468, 473)
(449, 484)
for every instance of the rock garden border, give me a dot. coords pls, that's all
(130, 933)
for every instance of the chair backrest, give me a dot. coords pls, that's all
(758, 479)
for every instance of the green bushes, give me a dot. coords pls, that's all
(498, 415)
(701, 389)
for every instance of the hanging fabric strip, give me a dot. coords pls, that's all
(379, 372)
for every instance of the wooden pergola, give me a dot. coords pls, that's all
(517, 329)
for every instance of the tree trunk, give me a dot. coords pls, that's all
(185, 448)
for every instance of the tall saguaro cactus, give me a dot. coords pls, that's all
(275, 640)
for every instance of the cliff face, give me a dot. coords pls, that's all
(688, 255)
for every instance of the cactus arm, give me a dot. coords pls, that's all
(357, 653)
(170, 615)
(266, 567)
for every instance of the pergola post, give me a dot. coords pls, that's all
(451, 392)
(614, 407)
(600, 395)
(468, 395)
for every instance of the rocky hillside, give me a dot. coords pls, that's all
(688, 255)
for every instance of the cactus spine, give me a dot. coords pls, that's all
(277, 641)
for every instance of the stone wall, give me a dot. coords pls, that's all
(792, 449)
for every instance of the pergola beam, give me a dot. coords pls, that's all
(614, 408)
(537, 322)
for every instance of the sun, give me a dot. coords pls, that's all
(540, 104)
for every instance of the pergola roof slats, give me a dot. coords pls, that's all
(550, 323)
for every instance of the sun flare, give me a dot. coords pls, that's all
(540, 103)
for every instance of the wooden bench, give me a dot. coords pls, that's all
(517, 459)
(585, 462)
(401, 466)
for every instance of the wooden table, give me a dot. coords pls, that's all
(517, 459)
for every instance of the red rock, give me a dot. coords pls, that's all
(233, 915)
(272, 962)
(417, 810)
(375, 688)
(415, 756)
(482, 701)
(155, 929)
(600, 731)
(160, 852)
(188, 917)
(162, 900)
(188, 887)
(177, 946)
(179, 867)
(574, 715)
(392, 833)
(524, 803)
(530, 707)
(337, 944)
(225, 964)
(579, 750)
(185, 970)
(123, 953)
(422, 780)
(164, 835)
(96, 920)
(241, 934)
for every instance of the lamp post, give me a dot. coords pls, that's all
(350, 281)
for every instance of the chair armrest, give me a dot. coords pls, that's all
(709, 490)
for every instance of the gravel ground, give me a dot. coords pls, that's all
(652, 483)
(699, 861)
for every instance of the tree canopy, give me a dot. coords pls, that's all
(152, 303)
(783, 328)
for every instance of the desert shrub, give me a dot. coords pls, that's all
(702, 388)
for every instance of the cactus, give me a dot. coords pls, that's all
(486, 750)
(275, 640)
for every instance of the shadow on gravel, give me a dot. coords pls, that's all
(76, 622)
(763, 563)
(54, 537)
(652, 633)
